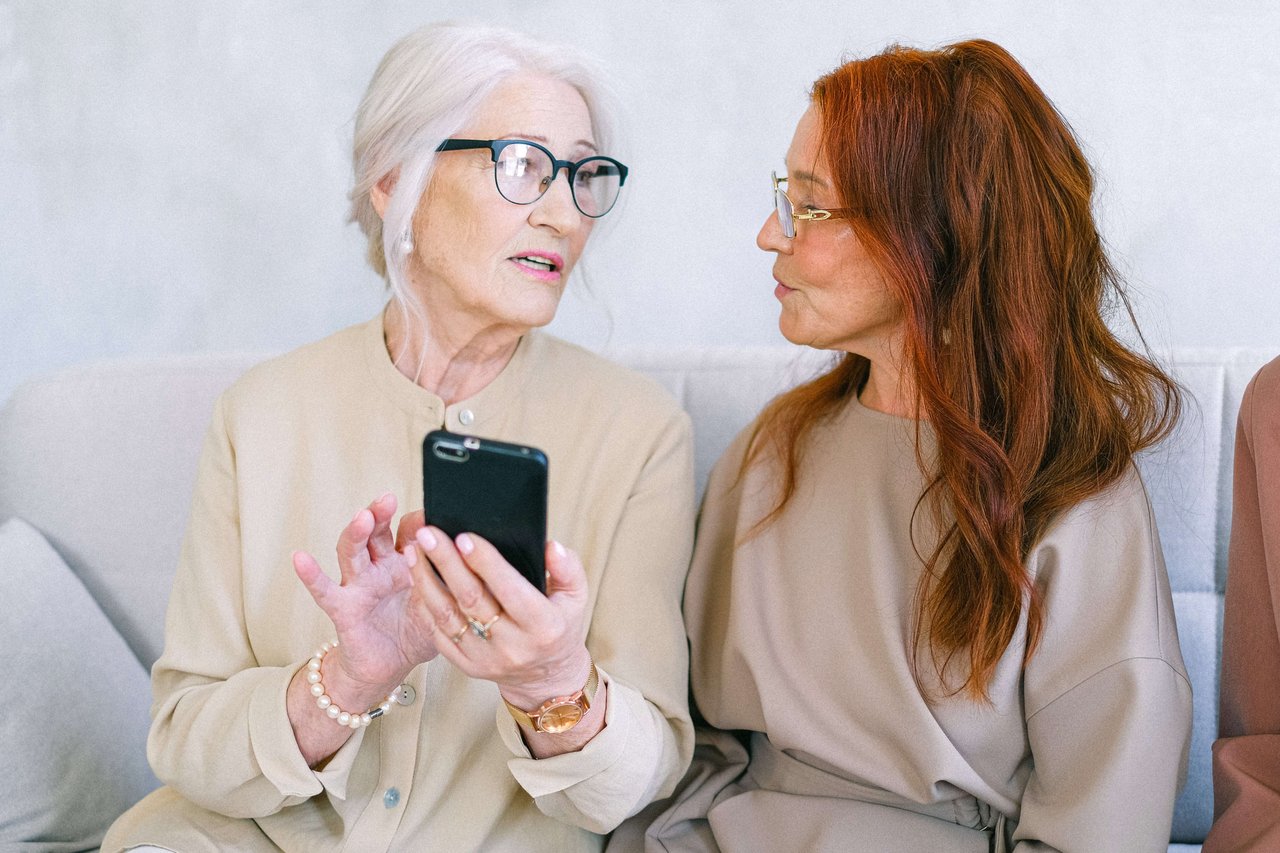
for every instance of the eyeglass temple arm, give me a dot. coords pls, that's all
(820, 215)
(466, 145)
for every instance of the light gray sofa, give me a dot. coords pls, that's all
(99, 462)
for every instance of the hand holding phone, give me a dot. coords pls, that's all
(493, 489)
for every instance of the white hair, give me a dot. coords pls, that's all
(426, 89)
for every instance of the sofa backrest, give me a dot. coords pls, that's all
(101, 459)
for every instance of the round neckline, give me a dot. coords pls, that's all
(903, 419)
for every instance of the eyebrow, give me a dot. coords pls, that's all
(808, 177)
(533, 137)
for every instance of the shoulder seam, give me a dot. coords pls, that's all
(1154, 546)
(1110, 666)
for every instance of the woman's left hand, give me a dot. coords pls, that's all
(536, 645)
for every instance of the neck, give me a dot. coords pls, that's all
(454, 361)
(889, 389)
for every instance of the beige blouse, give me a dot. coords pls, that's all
(801, 650)
(1246, 756)
(295, 448)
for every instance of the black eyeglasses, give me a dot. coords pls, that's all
(524, 170)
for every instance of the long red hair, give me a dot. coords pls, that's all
(974, 200)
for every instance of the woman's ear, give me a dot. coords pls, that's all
(380, 195)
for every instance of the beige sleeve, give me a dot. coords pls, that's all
(637, 638)
(1107, 699)
(1246, 756)
(1109, 756)
(679, 822)
(220, 734)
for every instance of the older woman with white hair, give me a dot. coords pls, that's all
(260, 729)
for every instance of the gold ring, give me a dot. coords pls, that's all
(481, 629)
(457, 638)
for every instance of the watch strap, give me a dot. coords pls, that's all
(582, 698)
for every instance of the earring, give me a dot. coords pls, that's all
(406, 242)
(946, 336)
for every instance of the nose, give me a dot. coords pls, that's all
(771, 238)
(556, 208)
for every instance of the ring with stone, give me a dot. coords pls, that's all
(481, 629)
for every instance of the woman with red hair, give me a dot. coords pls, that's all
(928, 608)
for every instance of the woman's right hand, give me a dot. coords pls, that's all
(383, 630)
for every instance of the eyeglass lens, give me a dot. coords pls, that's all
(524, 172)
(785, 218)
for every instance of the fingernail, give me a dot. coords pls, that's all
(427, 540)
(465, 545)
(558, 548)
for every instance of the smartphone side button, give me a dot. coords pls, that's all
(405, 694)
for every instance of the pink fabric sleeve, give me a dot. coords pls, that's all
(1246, 756)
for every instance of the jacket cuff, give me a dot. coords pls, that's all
(543, 776)
(275, 749)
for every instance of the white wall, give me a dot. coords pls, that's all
(173, 175)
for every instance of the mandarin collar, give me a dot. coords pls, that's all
(479, 413)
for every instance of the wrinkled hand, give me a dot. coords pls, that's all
(537, 648)
(376, 609)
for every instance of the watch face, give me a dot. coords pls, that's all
(560, 718)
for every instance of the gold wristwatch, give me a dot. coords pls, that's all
(560, 714)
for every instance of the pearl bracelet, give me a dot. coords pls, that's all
(324, 703)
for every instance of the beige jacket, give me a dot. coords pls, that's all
(298, 445)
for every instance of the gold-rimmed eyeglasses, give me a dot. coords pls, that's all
(787, 214)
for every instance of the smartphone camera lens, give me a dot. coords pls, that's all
(450, 452)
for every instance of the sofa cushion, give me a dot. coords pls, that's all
(75, 727)
(104, 453)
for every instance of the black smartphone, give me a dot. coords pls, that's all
(493, 489)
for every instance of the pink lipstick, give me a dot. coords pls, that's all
(544, 266)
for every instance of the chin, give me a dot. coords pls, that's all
(804, 338)
(792, 333)
(535, 316)
(792, 339)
